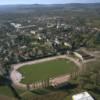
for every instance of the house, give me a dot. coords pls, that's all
(82, 96)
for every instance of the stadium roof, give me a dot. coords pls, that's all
(82, 96)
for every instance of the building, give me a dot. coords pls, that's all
(82, 96)
(60, 81)
(79, 56)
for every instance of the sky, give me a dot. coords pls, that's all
(5, 2)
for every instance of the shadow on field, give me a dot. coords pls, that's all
(65, 88)
(7, 82)
(15, 93)
(41, 91)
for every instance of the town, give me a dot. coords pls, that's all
(34, 32)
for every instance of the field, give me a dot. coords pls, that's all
(45, 70)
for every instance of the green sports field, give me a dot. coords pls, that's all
(45, 70)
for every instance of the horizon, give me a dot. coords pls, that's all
(45, 2)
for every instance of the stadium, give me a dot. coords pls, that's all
(56, 70)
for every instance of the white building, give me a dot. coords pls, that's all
(67, 44)
(33, 32)
(82, 96)
(16, 25)
(78, 55)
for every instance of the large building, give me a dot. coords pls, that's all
(82, 96)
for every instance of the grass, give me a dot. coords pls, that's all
(94, 64)
(45, 70)
(5, 90)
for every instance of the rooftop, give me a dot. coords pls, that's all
(82, 96)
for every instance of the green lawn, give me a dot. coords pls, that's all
(6, 92)
(45, 70)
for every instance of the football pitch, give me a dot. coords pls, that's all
(48, 69)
